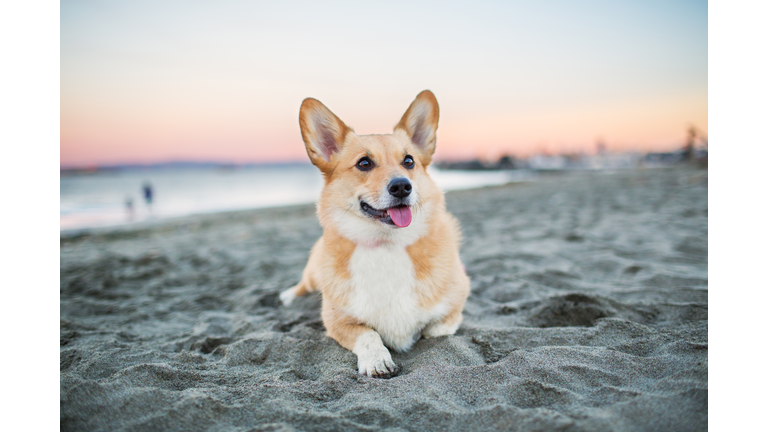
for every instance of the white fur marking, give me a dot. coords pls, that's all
(384, 296)
(288, 296)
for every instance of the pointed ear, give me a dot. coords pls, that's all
(323, 133)
(420, 124)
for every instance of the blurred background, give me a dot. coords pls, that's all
(173, 108)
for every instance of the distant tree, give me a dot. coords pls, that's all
(689, 144)
(506, 162)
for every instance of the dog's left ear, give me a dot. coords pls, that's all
(420, 124)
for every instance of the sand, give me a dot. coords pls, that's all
(588, 312)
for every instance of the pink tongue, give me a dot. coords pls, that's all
(401, 216)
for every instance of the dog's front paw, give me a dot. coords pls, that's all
(376, 364)
(288, 296)
(373, 358)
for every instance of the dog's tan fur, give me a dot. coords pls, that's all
(434, 278)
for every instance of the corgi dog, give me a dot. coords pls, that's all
(387, 264)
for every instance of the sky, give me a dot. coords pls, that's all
(158, 81)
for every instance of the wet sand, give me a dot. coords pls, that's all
(588, 312)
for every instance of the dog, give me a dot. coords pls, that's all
(388, 263)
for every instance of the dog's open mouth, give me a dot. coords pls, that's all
(399, 215)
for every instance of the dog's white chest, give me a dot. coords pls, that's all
(384, 296)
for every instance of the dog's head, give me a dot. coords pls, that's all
(376, 186)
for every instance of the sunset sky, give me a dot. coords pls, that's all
(155, 81)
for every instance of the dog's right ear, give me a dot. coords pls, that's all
(323, 133)
(420, 124)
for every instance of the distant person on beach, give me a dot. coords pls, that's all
(148, 193)
(689, 149)
(129, 207)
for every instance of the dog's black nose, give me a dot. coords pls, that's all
(399, 187)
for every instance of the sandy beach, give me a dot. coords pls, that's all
(588, 312)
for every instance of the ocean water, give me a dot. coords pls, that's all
(100, 199)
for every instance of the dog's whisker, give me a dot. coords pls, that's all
(348, 209)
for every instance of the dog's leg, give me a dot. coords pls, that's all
(446, 326)
(450, 323)
(308, 280)
(373, 358)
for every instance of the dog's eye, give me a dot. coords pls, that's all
(408, 161)
(364, 164)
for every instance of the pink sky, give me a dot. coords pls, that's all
(152, 82)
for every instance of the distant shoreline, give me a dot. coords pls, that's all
(98, 169)
(505, 162)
